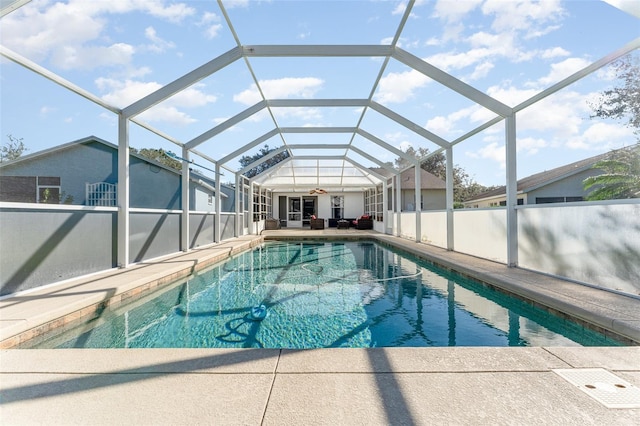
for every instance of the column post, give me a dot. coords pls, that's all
(449, 202)
(184, 222)
(123, 191)
(512, 191)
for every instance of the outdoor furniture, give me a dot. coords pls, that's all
(271, 223)
(316, 223)
(363, 222)
(343, 224)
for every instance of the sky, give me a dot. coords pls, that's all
(122, 50)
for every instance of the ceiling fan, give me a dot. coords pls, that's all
(317, 191)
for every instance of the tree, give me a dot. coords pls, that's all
(159, 155)
(464, 187)
(246, 160)
(12, 149)
(621, 170)
(620, 178)
(622, 102)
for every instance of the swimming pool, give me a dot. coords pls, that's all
(325, 294)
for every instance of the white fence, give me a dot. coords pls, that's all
(101, 194)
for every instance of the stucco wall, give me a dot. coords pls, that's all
(432, 199)
(151, 186)
(568, 187)
(43, 246)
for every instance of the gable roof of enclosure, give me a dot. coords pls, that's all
(335, 165)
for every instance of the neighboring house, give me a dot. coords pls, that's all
(85, 172)
(560, 185)
(433, 193)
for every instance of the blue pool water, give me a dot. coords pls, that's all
(325, 294)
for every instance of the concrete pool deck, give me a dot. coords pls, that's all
(325, 386)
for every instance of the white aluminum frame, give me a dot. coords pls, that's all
(388, 52)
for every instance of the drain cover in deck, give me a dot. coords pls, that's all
(605, 387)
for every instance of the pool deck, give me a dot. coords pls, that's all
(375, 386)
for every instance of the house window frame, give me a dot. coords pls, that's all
(337, 208)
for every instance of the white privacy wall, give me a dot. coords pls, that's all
(597, 244)
(434, 228)
(481, 232)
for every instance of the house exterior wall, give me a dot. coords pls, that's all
(77, 165)
(353, 203)
(151, 186)
(432, 199)
(568, 187)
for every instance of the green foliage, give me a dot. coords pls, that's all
(158, 155)
(12, 149)
(620, 178)
(53, 197)
(464, 187)
(245, 160)
(622, 102)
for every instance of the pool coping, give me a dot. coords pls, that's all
(31, 314)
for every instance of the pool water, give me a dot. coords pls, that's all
(325, 294)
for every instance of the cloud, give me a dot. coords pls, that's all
(531, 145)
(158, 45)
(211, 23)
(288, 87)
(46, 110)
(511, 22)
(401, 7)
(454, 11)
(233, 4)
(404, 145)
(554, 53)
(122, 93)
(89, 57)
(304, 114)
(602, 135)
(40, 30)
(398, 87)
(561, 113)
(562, 70)
(481, 71)
(525, 16)
(449, 127)
(493, 151)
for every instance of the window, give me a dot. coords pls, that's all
(337, 206)
(545, 200)
(379, 203)
(48, 190)
(295, 209)
(519, 202)
(373, 204)
(261, 203)
(49, 194)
